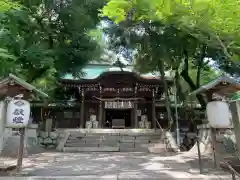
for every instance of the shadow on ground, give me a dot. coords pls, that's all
(133, 165)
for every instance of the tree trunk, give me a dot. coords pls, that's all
(190, 82)
(180, 94)
(193, 87)
(165, 86)
(200, 65)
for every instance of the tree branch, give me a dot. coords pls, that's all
(200, 65)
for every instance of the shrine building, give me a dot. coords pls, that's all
(113, 97)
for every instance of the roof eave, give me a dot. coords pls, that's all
(213, 83)
(23, 84)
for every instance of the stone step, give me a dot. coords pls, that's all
(74, 140)
(91, 149)
(112, 141)
(97, 138)
(147, 137)
(119, 138)
(134, 141)
(126, 145)
(78, 134)
(80, 144)
(105, 149)
(100, 141)
(156, 141)
(94, 141)
(134, 150)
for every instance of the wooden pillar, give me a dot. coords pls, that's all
(100, 120)
(135, 106)
(154, 123)
(82, 109)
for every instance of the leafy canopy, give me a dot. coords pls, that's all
(50, 39)
(214, 22)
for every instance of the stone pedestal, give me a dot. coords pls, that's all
(225, 143)
(48, 125)
(31, 137)
(88, 124)
(12, 140)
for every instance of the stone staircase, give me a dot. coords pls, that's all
(114, 140)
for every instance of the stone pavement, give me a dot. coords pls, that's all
(116, 166)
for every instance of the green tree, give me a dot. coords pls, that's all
(197, 19)
(6, 5)
(161, 45)
(213, 22)
(50, 38)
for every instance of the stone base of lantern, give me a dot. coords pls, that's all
(92, 124)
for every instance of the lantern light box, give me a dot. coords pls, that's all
(18, 113)
(218, 114)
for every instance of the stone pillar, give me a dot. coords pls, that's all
(48, 126)
(82, 109)
(235, 109)
(31, 137)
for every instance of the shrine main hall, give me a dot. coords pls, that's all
(113, 97)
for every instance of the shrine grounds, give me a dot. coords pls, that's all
(56, 165)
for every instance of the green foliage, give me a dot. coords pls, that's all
(213, 22)
(6, 5)
(168, 33)
(50, 39)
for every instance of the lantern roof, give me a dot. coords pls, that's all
(222, 85)
(12, 78)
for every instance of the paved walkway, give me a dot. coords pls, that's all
(117, 166)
